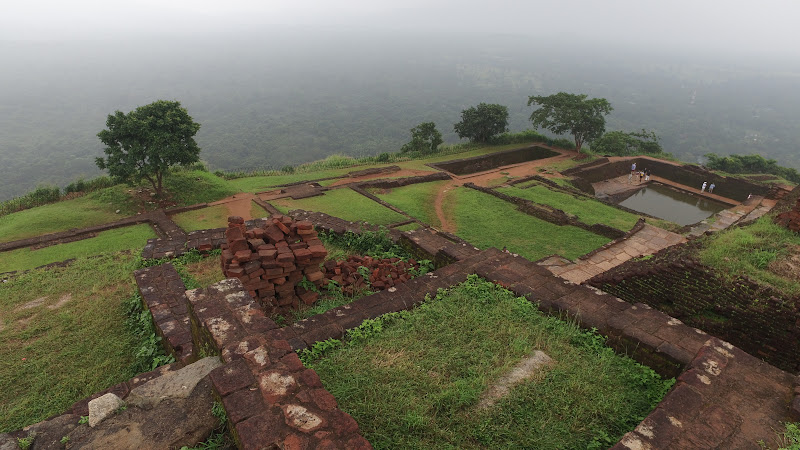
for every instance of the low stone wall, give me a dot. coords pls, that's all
(476, 164)
(270, 398)
(373, 171)
(674, 281)
(400, 182)
(163, 295)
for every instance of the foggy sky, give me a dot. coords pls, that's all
(766, 27)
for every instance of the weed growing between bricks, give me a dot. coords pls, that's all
(412, 379)
(150, 352)
(342, 247)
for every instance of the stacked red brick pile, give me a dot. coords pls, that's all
(383, 273)
(790, 219)
(271, 260)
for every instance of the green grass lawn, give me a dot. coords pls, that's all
(203, 219)
(750, 250)
(415, 199)
(346, 204)
(132, 237)
(414, 380)
(76, 213)
(190, 187)
(588, 211)
(63, 337)
(486, 221)
(263, 183)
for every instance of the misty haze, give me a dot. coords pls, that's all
(272, 96)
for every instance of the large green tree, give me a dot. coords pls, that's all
(480, 123)
(146, 142)
(623, 144)
(425, 138)
(571, 113)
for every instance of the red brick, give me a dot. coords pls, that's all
(281, 226)
(243, 404)
(295, 442)
(243, 255)
(323, 399)
(317, 251)
(358, 443)
(273, 234)
(342, 423)
(231, 377)
(315, 276)
(292, 362)
(265, 430)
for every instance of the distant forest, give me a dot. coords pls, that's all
(274, 99)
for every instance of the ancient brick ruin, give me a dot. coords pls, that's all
(272, 259)
(790, 219)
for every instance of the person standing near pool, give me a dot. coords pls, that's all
(711, 187)
(703, 189)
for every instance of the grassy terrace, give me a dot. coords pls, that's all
(413, 379)
(487, 221)
(81, 212)
(346, 204)
(589, 211)
(415, 199)
(202, 219)
(63, 337)
(763, 251)
(133, 237)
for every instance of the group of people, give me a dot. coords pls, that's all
(642, 174)
(645, 174)
(709, 186)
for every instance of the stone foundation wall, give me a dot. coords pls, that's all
(475, 164)
(674, 281)
(693, 176)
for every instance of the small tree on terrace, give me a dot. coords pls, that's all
(480, 123)
(560, 113)
(425, 138)
(145, 143)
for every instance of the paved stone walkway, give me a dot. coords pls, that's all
(647, 241)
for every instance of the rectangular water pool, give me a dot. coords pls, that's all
(672, 204)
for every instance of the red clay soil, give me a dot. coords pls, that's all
(238, 205)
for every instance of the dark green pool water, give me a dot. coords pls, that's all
(673, 205)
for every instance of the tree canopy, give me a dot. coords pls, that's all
(480, 123)
(750, 164)
(573, 113)
(145, 143)
(425, 138)
(622, 143)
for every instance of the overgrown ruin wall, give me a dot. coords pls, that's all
(467, 166)
(755, 318)
(734, 188)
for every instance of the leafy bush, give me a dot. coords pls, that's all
(750, 164)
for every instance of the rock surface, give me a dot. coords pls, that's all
(173, 385)
(102, 407)
(172, 423)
